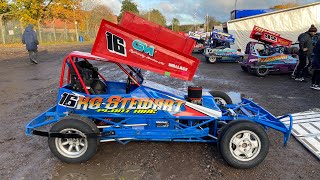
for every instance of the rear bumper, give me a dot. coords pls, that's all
(248, 110)
(48, 117)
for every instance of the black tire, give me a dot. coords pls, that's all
(251, 70)
(235, 131)
(245, 69)
(261, 72)
(219, 97)
(211, 59)
(291, 50)
(87, 146)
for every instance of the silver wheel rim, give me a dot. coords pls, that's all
(71, 147)
(212, 59)
(245, 145)
(220, 101)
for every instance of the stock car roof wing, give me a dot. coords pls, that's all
(222, 36)
(143, 44)
(269, 37)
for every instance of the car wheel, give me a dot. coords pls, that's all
(240, 59)
(243, 144)
(74, 150)
(221, 98)
(211, 59)
(245, 69)
(261, 72)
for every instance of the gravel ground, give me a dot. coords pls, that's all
(28, 90)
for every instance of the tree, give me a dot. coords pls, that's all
(284, 6)
(7, 9)
(100, 12)
(92, 13)
(4, 6)
(33, 11)
(128, 5)
(212, 22)
(66, 11)
(186, 27)
(88, 5)
(97, 14)
(155, 16)
(175, 24)
(63, 9)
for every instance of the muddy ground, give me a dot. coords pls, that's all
(28, 90)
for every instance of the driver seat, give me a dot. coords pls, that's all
(98, 87)
(89, 74)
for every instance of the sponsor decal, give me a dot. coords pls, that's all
(177, 67)
(143, 47)
(284, 42)
(270, 37)
(143, 56)
(261, 30)
(253, 60)
(223, 34)
(116, 44)
(118, 104)
(274, 58)
(144, 51)
(198, 46)
(197, 35)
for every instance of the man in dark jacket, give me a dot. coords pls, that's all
(29, 38)
(305, 51)
(316, 67)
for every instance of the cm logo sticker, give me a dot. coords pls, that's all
(143, 47)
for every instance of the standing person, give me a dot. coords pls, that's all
(29, 38)
(316, 67)
(305, 51)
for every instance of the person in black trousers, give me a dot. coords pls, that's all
(305, 51)
(29, 38)
(316, 67)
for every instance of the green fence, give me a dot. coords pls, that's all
(11, 33)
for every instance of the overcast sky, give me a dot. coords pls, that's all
(194, 11)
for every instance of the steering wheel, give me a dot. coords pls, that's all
(129, 81)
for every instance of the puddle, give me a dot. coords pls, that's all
(277, 97)
(235, 97)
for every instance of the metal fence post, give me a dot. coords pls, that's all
(40, 36)
(2, 30)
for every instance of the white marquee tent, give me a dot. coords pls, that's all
(289, 23)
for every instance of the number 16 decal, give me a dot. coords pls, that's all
(68, 100)
(116, 44)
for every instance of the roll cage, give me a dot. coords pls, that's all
(70, 62)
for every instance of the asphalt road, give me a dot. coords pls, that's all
(28, 90)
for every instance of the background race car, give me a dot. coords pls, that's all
(218, 48)
(272, 53)
(200, 38)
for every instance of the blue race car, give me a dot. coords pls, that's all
(90, 109)
(141, 110)
(218, 49)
